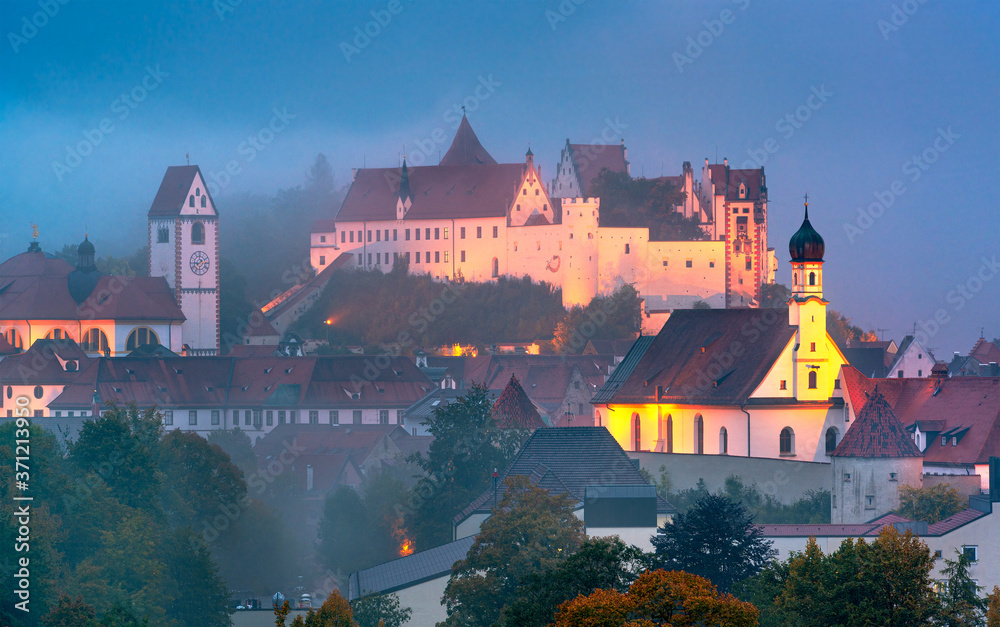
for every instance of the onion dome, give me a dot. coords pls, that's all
(806, 244)
(84, 279)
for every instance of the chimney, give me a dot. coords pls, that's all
(725, 162)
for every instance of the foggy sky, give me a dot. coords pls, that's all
(143, 83)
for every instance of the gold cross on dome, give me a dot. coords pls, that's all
(34, 231)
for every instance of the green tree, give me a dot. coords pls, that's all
(236, 443)
(209, 485)
(343, 532)
(885, 582)
(763, 590)
(929, 504)
(380, 610)
(467, 446)
(201, 597)
(643, 202)
(530, 531)
(121, 447)
(605, 317)
(961, 605)
(658, 597)
(235, 311)
(600, 563)
(716, 539)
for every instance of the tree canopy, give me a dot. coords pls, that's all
(658, 597)
(716, 539)
(530, 531)
(642, 202)
(930, 504)
(467, 446)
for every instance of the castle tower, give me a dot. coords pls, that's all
(814, 371)
(184, 249)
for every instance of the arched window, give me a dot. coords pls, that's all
(637, 433)
(197, 233)
(786, 442)
(831, 440)
(14, 338)
(141, 336)
(162, 235)
(204, 201)
(812, 379)
(723, 441)
(670, 433)
(191, 201)
(94, 341)
(795, 278)
(39, 391)
(699, 434)
(57, 334)
(496, 267)
(812, 278)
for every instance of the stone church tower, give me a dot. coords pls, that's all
(184, 249)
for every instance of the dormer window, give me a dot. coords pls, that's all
(743, 190)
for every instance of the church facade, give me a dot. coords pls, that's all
(744, 382)
(43, 297)
(471, 218)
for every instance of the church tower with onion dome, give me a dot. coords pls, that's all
(814, 374)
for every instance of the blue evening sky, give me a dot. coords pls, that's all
(900, 79)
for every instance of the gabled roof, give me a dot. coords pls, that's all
(985, 352)
(876, 433)
(173, 192)
(972, 402)
(727, 181)
(590, 159)
(514, 410)
(870, 361)
(624, 369)
(692, 344)
(439, 191)
(423, 410)
(617, 347)
(570, 459)
(410, 570)
(465, 148)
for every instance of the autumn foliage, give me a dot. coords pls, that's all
(658, 597)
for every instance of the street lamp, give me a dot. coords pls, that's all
(328, 322)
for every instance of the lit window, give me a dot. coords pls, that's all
(783, 385)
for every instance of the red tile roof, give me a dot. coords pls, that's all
(514, 410)
(876, 433)
(173, 192)
(46, 362)
(35, 286)
(590, 159)
(871, 528)
(972, 402)
(984, 352)
(441, 191)
(465, 148)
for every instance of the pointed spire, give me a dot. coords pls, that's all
(404, 182)
(465, 148)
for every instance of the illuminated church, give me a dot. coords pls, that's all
(744, 382)
(471, 218)
(176, 307)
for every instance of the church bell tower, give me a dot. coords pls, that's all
(814, 371)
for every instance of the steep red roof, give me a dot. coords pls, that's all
(441, 191)
(876, 433)
(590, 159)
(514, 410)
(984, 352)
(465, 148)
(173, 192)
(969, 406)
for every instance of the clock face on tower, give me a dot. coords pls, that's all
(199, 263)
